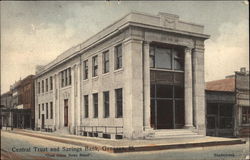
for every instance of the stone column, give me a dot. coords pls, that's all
(199, 90)
(78, 96)
(133, 97)
(146, 86)
(72, 100)
(188, 89)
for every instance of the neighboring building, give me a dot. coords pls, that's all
(242, 107)
(21, 110)
(6, 104)
(227, 106)
(138, 75)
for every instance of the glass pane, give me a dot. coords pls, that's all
(178, 92)
(178, 60)
(152, 63)
(152, 91)
(152, 113)
(226, 123)
(212, 108)
(226, 110)
(164, 114)
(163, 58)
(210, 122)
(179, 112)
(164, 91)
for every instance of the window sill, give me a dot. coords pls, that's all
(95, 78)
(65, 87)
(118, 70)
(86, 80)
(105, 74)
(169, 70)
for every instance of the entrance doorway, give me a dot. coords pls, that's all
(66, 112)
(167, 106)
(42, 121)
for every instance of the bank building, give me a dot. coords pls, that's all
(140, 77)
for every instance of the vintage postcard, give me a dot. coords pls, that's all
(125, 80)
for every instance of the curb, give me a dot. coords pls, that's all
(123, 149)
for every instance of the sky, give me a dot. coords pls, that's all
(36, 32)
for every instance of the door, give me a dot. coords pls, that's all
(42, 121)
(66, 112)
(164, 114)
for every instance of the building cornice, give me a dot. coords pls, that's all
(131, 19)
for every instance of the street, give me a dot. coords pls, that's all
(20, 147)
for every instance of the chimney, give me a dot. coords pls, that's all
(243, 69)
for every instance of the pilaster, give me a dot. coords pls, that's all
(188, 89)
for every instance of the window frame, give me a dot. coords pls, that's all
(247, 115)
(119, 103)
(42, 86)
(86, 106)
(95, 105)
(95, 66)
(118, 57)
(85, 69)
(51, 110)
(46, 85)
(173, 59)
(106, 104)
(47, 110)
(106, 63)
(51, 82)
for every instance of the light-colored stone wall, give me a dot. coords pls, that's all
(133, 77)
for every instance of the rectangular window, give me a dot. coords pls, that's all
(106, 62)
(86, 106)
(47, 85)
(38, 87)
(95, 105)
(51, 83)
(66, 77)
(43, 107)
(42, 86)
(178, 60)
(95, 66)
(118, 57)
(245, 115)
(69, 74)
(47, 110)
(152, 57)
(85, 68)
(62, 79)
(51, 110)
(106, 104)
(163, 58)
(119, 108)
(39, 111)
(171, 58)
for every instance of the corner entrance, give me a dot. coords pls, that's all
(66, 112)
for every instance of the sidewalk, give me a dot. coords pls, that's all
(124, 145)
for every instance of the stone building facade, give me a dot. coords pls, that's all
(140, 74)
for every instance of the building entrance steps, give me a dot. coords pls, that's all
(173, 133)
(126, 145)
